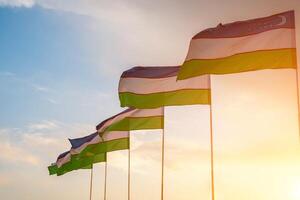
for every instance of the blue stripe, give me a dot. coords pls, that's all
(77, 142)
(62, 155)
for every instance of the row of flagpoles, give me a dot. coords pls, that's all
(257, 44)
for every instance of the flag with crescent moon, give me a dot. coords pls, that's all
(256, 44)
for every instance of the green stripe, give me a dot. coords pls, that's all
(80, 162)
(137, 123)
(174, 98)
(93, 153)
(52, 169)
(119, 144)
(258, 60)
(108, 146)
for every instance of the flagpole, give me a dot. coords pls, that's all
(91, 183)
(105, 178)
(211, 146)
(297, 30)
(162, 159)
(129, 168)
(298, 103)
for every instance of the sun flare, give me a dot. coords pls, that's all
(295, 195)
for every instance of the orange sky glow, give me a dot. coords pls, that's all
(255, 124)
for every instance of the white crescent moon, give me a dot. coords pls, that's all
(283, 20)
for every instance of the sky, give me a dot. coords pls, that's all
(60, 63)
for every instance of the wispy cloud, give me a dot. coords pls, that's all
(4, 180)
(10, 74)
(14, 77)
(17, 3)
(43, 125)
(40, 88)
(14, 154)
(38, 143)
(52, 101)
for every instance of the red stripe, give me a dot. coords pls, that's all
(250, 27)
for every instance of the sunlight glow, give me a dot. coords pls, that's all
(296, 191)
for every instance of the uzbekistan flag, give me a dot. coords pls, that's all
(113, 133)
(66, 163)
(153, 87)
(263, 43)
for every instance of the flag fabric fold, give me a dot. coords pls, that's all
(113, 133)
(257, 44)
(115, 130)
(78, 144)
(66, 162)
(133, 119)
(153, 87)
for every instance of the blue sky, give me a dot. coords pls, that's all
(51, 89)
(60, 63)
(46, 70)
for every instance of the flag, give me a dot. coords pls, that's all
(263, 43)
(66, 163)
(153, 87)
(78, 144)
(60, 161)
(52, 169)
(133, 119)
(113, 133)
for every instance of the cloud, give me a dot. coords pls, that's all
(25, 81)
(5, 180)
(39, 143)
(13, 154)
(43, 125)
(7, 74)
(40, 140)
(40, 88)
(17, 3)
(52, 101)
(107, 10)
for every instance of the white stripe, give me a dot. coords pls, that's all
(63, 160)
(95, 140)
(204, 48)
(133, 113)
(148, 86)
(147, 112)
(107, 136)
(113, 135)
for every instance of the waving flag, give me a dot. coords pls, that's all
(133, 119)
(52, 169)
(113, 133)
(153, 87)
(66, 163)
(263, 43)
(62, 160)
(78, 144)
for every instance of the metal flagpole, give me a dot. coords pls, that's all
(105, 178)
(91, 183)
(297, 30)
(211, 147)
(298, 103)
(162, 159)
(129, 167)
